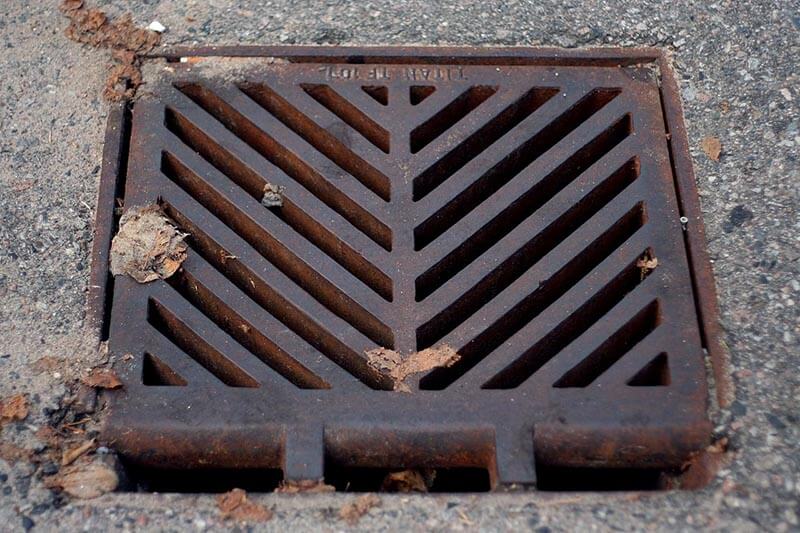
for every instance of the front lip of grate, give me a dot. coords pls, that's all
(189, 445)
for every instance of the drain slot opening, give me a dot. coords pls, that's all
(449, 115)
(199, 480)
(553, 478)
(355, 479)
(174, 329)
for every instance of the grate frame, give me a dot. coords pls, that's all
(573, 425)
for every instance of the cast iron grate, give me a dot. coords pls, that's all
(521, 207)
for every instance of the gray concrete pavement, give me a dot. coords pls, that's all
(737, 64)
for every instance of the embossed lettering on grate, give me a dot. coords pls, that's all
(524, 214)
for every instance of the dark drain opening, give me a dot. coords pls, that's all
(200, 480)
(553, 478)
(455, 480)
(351, 479)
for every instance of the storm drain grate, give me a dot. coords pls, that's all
(522, 208)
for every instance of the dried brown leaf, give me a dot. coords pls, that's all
(273, 195)
(304, 485)
(93, 27)
(127, 42)
(86, 480)
(353, 511)
(102, 378)
(712, 147)
(646, 264)
(71, 5)
(147, 246)
(408, 481)
(122, 82)
(14, 408)
(399, 367)
(235, 505)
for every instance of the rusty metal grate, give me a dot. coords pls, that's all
(522, 207)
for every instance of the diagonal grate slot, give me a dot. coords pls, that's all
(567, 331)
(290, 213)
(545, 295)
(244, 332)
(629, 335)
(350, 114)
(524, 154)
(418, 93)
(379, 93)
(156, 372)
(448, 116)
(653, 374)
(288, 162)
(196, 347)
(319, 138)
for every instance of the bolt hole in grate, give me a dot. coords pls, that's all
(521, 208)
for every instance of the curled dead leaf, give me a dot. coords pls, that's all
(409, 481)
(102, 378)
(93, 27)
(646, 264)
(86, 479)
(273, 195)
(235, 505)
(147, 246)
(352, 512)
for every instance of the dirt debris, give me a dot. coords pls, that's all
(147, 246)
(127, 42)
(409, 481)
(235, 505)
(47, 363)
(13, 408)
(304, 485)
(703, 466)
(399, 367)
(712, 147)
(88, 478)
(646, 264)
(273, 195)
(102, 378)
(352, 512)
(69, 456)
(11, 453)
(122, 82)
